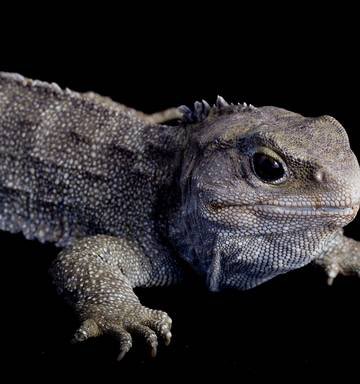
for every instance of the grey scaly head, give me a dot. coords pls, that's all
(265, 191)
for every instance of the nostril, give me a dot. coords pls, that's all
(320, 175)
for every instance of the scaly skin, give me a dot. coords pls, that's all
(242, 194)
(108, 268)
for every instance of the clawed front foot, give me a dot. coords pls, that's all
(137, 320)
(343, 258)
(96, 275)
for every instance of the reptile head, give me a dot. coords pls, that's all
(269, 177)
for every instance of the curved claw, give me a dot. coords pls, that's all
(153, 350)
(125, 341)
(332, 271)
(121, 354)
(168, 336)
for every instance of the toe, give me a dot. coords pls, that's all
(162, 329)
(332, 271)
(148, 334)
(125, 341)
(88, 329)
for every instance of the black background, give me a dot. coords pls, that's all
(294, 326)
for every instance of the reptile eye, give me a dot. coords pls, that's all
(267, 168)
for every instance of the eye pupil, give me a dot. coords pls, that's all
(267, 168)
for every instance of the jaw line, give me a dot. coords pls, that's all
(304, 211)
(280, 210)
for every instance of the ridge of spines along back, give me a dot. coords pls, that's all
(202, 109)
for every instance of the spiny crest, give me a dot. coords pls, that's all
(202, 109)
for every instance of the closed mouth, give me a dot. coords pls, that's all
(305, 211)
(293, 210)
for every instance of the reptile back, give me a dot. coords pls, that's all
(73, 165)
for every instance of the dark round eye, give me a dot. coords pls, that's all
(267, 168)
